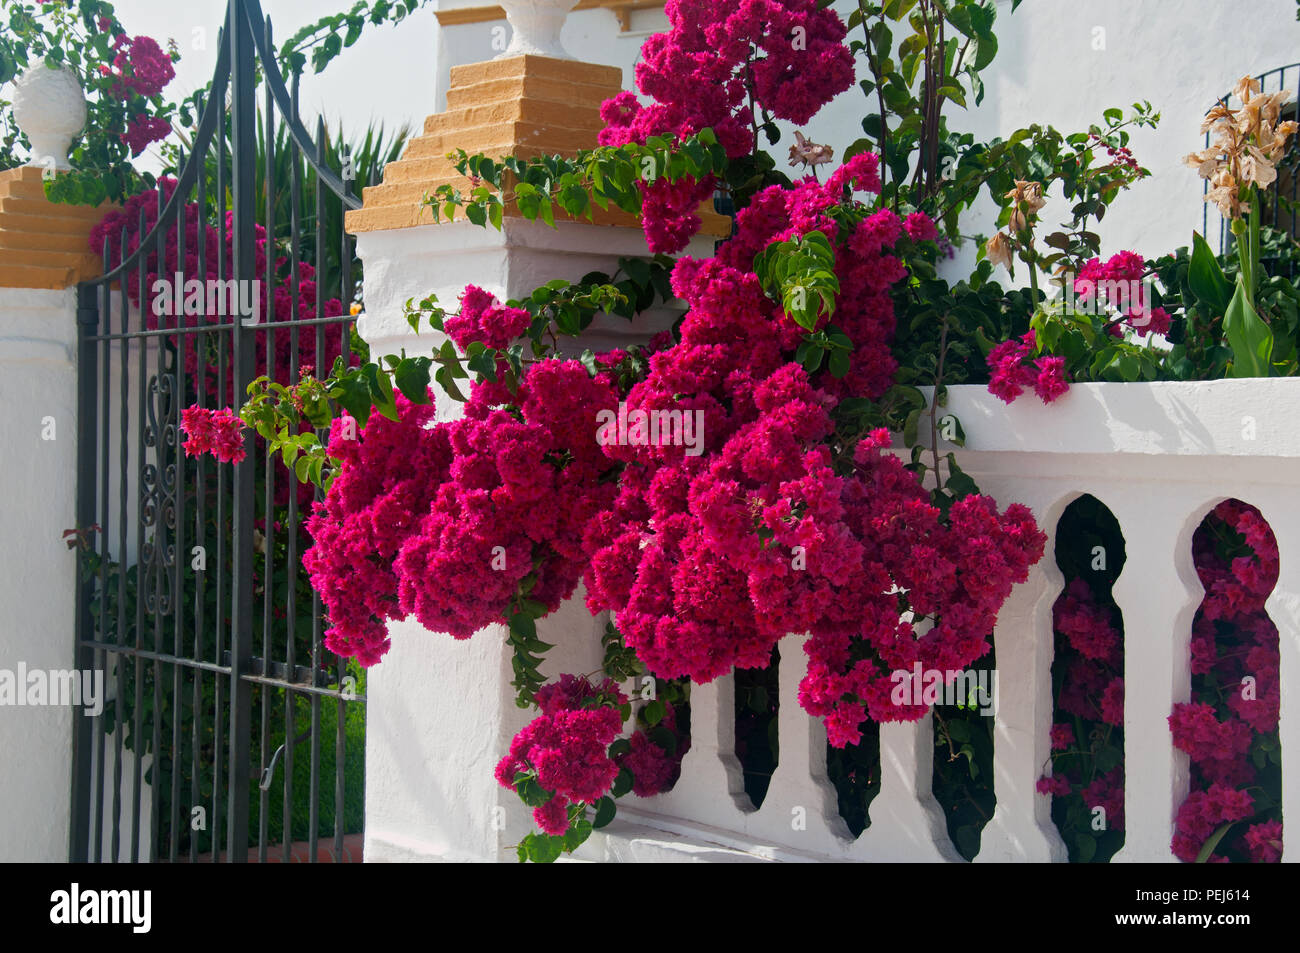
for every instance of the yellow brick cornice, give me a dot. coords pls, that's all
(523, 106)
(43, 244)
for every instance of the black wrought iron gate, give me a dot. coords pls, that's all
(191, 597)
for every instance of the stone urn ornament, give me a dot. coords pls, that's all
(536, 25)
(50, 108)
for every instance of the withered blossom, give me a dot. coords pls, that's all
(1027, 199)
(998, 250)
(808, 153)
(1247, 143)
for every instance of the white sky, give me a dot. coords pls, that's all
(387, 75)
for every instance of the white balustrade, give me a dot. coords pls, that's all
(1160, 457)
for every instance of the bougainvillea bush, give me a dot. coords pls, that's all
(806, 497)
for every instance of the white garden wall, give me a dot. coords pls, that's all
(37, 570)
(38, 484)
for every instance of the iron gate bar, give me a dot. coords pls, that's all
(222, 400)
(208, 328)
(263, 795)
(346, 293)
(85, 656)
(155, 477)
(103, 567)
(290, 706)
(243, 153)
(313, 801)
(200, 502)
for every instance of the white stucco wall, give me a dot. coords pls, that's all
(37, 570)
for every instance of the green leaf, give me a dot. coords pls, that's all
(622, 783)
(1087, 847)
(1212, 842)
(653, 712)
(638, 269)
(1206, 278)
(354, 394)
(665, 739)
(577, 834)
(542, 848)
(381, 389)
(1108, 758)
(447, 383)
(910, 427)
(530, 792)
(523, 625)
(605, 811)
(412, 379)
(1248, 336)
(959, 482)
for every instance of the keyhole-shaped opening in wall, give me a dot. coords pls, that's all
(1229, 728)
(653, 754)
(757, 745)
(854, 772)
(962, 781)
(1085, 774)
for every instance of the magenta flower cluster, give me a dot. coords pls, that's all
(218, 432)
(566, 747)
(708, 561)
(140, 68)
(1089, 646)
(1234, 645)
(448, 522)
(1013, 369)
(1121, 274)
(718, 64)
(385, 483)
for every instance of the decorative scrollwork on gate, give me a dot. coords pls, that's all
(158, 485)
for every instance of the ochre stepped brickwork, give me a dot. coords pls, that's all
(523, 106)
(43, 244)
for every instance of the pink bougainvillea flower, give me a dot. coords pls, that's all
(218, 432)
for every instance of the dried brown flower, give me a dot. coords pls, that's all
(1247, 142)
(808, 153)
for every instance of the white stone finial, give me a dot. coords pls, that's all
(50, 108)
(536, 25)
